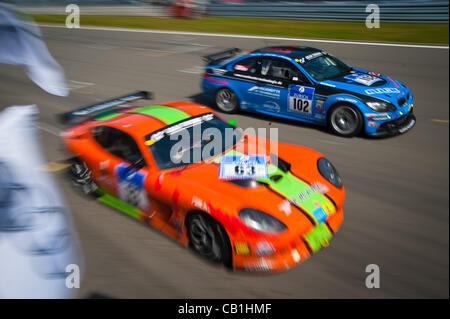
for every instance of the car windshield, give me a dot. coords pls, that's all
(191, 141)
(325, 67)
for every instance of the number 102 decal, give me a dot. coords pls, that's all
(300, 98)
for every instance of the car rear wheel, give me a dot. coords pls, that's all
(345, 120)
(81, 177)
(208, 238)
(227, 101)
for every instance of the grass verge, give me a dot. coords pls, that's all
(427, 33)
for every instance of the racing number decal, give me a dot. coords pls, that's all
(300, 105)
(131, 187)
(300, 99)
(243, 167)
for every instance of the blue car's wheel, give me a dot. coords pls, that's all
(345, 120)
(227, 101)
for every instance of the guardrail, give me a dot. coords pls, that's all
(423, 11)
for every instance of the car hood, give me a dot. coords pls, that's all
(370, 84)
(297, 203)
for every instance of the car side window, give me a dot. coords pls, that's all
(247, 66)
(279, 69)
(117, 143)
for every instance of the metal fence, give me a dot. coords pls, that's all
(434, 11)
(406, 11)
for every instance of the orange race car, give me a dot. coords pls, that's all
(250, 203)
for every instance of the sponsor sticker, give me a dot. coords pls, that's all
(264, 248)
(382, 91)
(131, 186)
(239, 67)
(365, 79)
(309, 192)
(265, 91)
(319, 108)
(179, 127)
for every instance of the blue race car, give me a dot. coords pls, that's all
(307, 84)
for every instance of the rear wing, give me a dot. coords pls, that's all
(215, 57)
(86, 112)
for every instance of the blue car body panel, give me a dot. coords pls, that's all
(285, 98)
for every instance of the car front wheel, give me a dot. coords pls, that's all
(81, 177)
(208, 238)
(345, 120)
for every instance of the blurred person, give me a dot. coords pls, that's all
(21, 44)
(38, 243)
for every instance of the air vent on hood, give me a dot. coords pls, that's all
(281, 164)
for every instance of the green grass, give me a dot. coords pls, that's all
(431, 33)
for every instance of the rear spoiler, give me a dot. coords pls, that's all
(220, 55)
(88, 111)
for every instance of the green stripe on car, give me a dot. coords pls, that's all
(120, 205)
(319, 236)
(291, 187)
(107, 115)
(168, 115)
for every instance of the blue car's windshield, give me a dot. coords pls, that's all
(325, 67)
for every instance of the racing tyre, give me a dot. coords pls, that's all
(345, 120)
(82, 178)
(227, 101)
(209, 239)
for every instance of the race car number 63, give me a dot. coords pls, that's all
(245, 170)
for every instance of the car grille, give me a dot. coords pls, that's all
(402, 120)
(401, 101)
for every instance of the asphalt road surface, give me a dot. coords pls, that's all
(396, 210)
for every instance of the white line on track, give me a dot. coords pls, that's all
(225, 35)
(331, 142)
(48, 128)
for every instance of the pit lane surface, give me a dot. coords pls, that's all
(396, 210)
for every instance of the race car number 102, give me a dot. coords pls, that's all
(300, 98)
(300, 105)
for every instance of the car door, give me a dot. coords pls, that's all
(301, 99)
(247, 81)
(124, 171)
(296, 96)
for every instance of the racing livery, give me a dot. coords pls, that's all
(307, 84)
(123, 155)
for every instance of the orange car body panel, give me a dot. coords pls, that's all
(173, 193)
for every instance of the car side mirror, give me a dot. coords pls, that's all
(232, 122)
(300, 81)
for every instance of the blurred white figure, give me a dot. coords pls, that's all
(21, 44)
(37, 238)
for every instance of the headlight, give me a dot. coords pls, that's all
(381, 106)
(261, 221)
(329, 172)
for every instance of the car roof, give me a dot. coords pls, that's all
(141, 121)
(291, 51)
